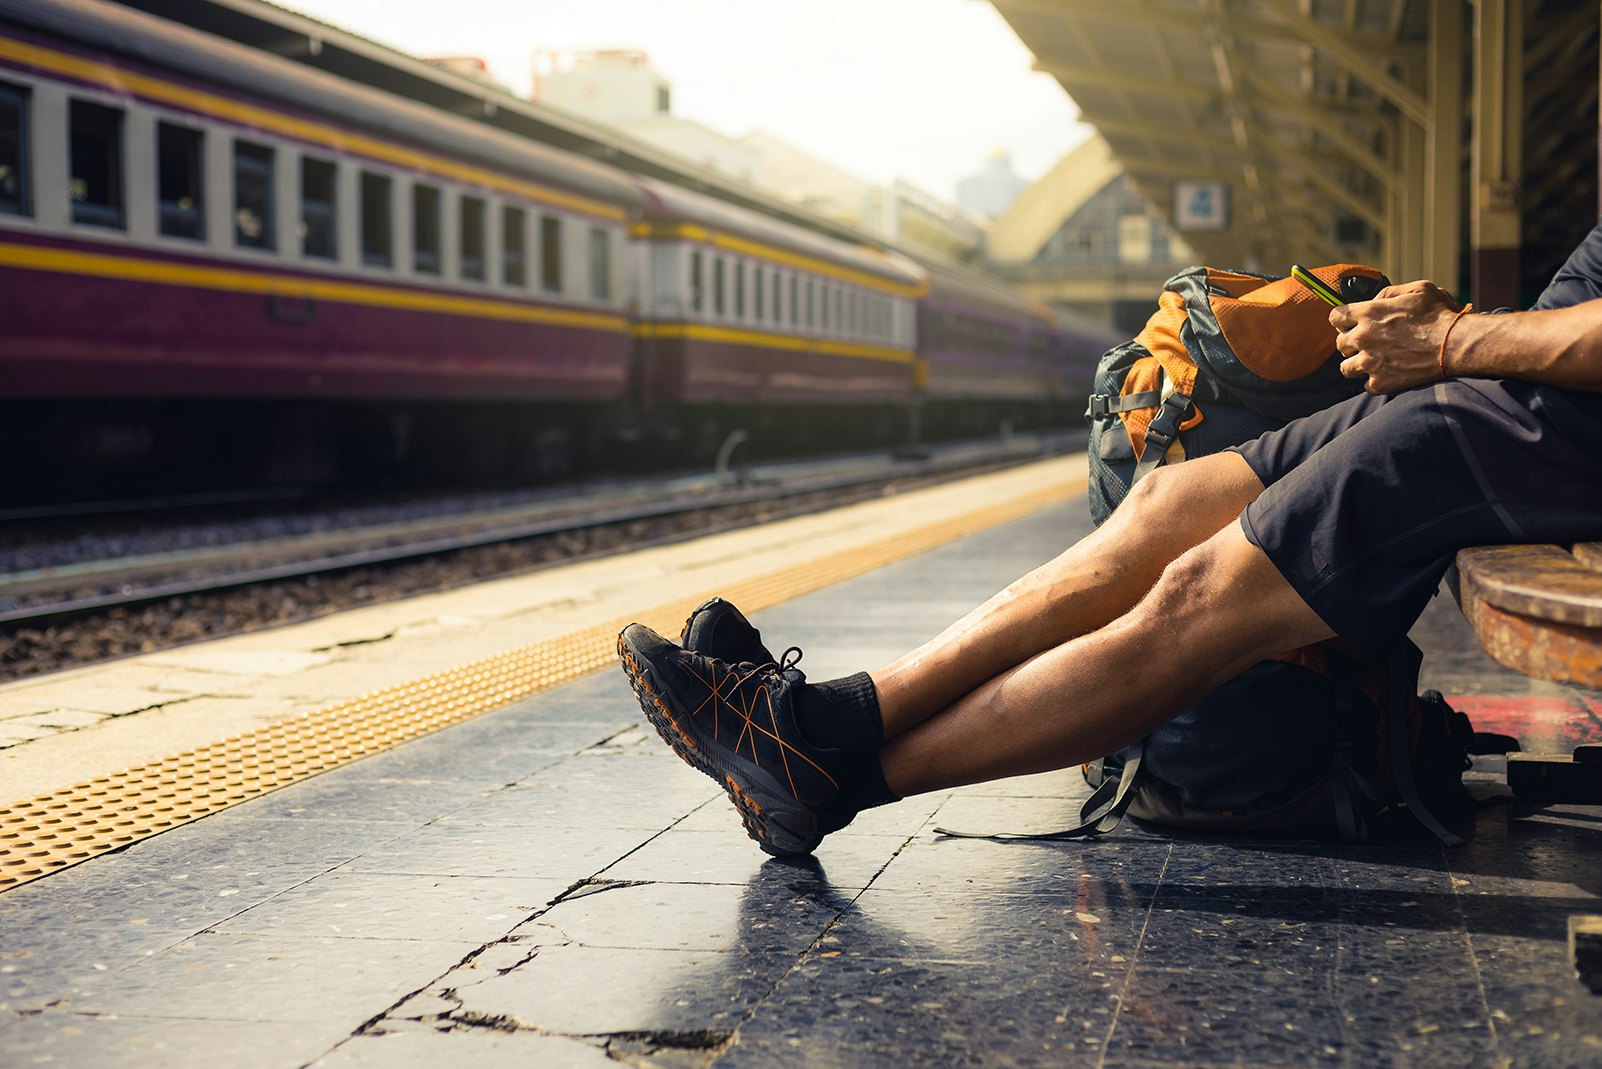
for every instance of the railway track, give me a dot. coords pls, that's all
(87, 610)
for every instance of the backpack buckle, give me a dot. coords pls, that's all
(1164, 426)
(1112, 404)
(1161, 433)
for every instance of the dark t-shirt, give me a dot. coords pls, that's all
(1580, 277)
(1576, 413)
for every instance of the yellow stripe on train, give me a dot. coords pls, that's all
(792, 342)
(230, 280)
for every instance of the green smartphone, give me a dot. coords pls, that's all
(1312, 282)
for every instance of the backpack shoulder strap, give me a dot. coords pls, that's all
(1400, 693)
(1101, 813)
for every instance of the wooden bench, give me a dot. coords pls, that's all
(1536, 609)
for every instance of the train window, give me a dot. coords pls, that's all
(178, 184)
(551, 253)
(317, 229)
(795, 303)
(14, 198)
(776, 310)
(473, 238)
(825, 298)
(377, 237)
(95, 184)
(717, 285)
(757, 290)
(853, 323)
(253, 196)
(811, 316)
(425, 229)
(513, 271)
(697, 288)
(600, 264)
(739, 289)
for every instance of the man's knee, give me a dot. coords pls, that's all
(1230, 588)
(1214, 487)
(1198, 577)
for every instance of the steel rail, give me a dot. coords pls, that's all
(240, 565)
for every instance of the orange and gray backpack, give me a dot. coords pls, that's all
(1317, 739)
(1227, 356)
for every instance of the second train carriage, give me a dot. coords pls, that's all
(746, 323)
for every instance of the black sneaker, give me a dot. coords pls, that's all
(735, 723)
(717, 629)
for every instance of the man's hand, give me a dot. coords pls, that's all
(1394, 340)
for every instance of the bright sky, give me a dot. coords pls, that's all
(923, 89)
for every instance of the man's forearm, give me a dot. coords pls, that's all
(1559, 346)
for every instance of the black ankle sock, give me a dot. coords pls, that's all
(841, 714)
(866, 789)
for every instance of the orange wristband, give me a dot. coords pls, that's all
(1440, 357)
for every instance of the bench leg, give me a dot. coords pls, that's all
(1585, 949)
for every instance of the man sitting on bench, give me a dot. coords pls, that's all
(1475, 430)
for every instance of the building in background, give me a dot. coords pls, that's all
(619, 87)
(467, 67)
(900, 212)
(614, 86)
(1083, 239)
(993, 189)
(622, 89)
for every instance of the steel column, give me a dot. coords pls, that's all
(1443, 151)
(1497, 151)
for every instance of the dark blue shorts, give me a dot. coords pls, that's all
(1366, 502)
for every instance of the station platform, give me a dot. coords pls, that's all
(532, 878)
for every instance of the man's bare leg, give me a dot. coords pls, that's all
(1215, 610)
(1092, 583)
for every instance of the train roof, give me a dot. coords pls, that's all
(668, 206)
(192, 54)
(975, 289)
(1086, 331)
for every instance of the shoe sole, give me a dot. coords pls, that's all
(770, 815)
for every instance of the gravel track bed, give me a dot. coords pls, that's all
(60, 543)
(32, 650)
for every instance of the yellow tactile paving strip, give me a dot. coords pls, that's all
(64, 827)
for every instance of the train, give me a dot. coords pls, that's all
(217, 261)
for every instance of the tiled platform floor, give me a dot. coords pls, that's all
(549, 886)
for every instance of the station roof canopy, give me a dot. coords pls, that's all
(1332, 129)
(1270, 131)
